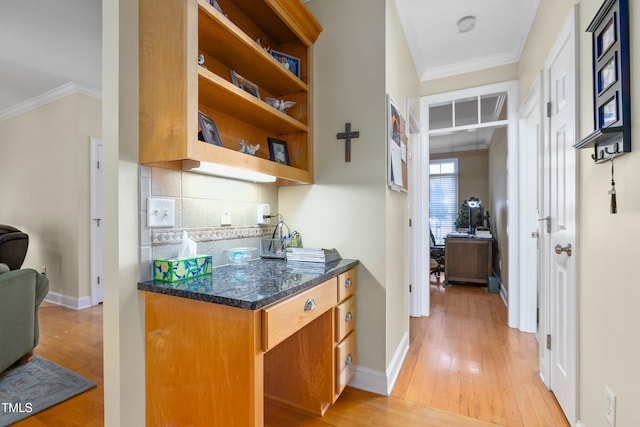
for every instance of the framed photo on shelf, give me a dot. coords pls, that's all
(289, 62)
(397, 171)
(245, 84)
(216, 6)
(209, 130)
(607, 37)
(608, 75)
(609, 112)
(278, 151)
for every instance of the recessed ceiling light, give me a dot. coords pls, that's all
(466, 24)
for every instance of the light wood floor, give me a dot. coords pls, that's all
(464, 358)
(465, 368)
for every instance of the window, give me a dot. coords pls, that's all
(443, 197)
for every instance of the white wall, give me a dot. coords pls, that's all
(44, 165)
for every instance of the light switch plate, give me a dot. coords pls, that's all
(160, 212)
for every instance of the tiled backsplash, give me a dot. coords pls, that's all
(199, 202)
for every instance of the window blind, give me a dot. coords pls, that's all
(443, 205)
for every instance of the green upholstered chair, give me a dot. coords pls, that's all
(21, 292)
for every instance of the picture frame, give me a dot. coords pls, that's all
(607, 37)
(291, 63)
(397, 169)
(609, 112)
(245, 84)
(608, 74)
(216, 6)
(278, 151)
(209, 129)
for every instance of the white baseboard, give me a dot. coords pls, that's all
(67, 301)
(579, 424)
(382, 382)
(504, 294)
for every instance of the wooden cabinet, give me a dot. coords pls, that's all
(467, 260)
(217, 364)
(174, 88)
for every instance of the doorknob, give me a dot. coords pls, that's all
(548, 219)
(567, 249)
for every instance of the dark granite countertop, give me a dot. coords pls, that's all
(252, 286)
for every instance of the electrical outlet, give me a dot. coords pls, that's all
(609, 406)
(225, 218)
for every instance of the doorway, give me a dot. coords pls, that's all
(465, 119)
(96, 220)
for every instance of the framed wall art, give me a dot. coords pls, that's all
(397, 172)
(611, 82)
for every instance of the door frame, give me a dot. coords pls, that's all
(532, 143)
(512, 297)
(96, 214)
(418, 301)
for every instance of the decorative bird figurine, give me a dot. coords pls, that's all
(280, 104)
(247, 148)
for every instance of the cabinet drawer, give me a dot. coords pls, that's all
(345, 318)
(346, 284)
(345, 361)
(284, 318)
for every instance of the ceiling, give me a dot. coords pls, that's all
(439, 50)
(49, 44)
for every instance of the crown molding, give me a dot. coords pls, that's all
(469, 66)
(47, 97)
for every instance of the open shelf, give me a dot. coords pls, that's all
(219, 94)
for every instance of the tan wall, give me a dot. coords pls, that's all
(500, 74)
(473, 174)
(346, 207)
(499, 199)
(44, 154)
(402, 84)
(606, 274)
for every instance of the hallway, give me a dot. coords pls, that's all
(465, 359)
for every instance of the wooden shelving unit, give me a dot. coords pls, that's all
(173, 88)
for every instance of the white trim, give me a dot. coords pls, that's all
(511, 87)
(382, 382)
(68, 301)
(579, 424)
(530, 109)
(47, 97)
(470, 66)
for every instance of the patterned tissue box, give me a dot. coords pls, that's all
(173, 270)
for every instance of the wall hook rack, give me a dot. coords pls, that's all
(611, 82)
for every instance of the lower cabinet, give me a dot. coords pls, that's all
(219, 363)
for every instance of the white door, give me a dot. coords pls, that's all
(560, 245)
(96, 221)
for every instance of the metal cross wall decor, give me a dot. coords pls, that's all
(347, 135)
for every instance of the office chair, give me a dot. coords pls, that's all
(437, 257)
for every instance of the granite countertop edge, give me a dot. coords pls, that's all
(161, 288)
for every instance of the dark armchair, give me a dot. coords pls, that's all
(13, 246)
(21, 292)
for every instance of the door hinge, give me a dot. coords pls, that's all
(548, 341)
(409, 222)
(98, 280)
(409, 287)
(98, 164)
(548, 109)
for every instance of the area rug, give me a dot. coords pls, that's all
(35, 386)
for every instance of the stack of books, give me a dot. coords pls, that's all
(313, 255)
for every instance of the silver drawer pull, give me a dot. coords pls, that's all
(348, 317)
(310, 304)
(348, 360)
(347, 284)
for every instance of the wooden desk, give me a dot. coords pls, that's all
(467, 260)
(215, 364)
